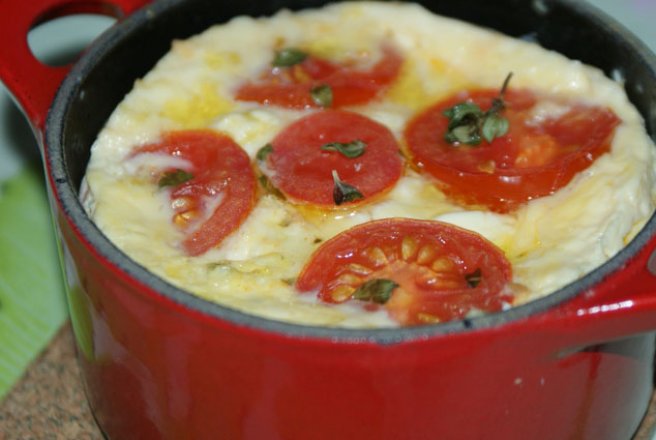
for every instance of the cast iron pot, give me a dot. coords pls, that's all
(160, 363)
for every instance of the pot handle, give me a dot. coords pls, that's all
(621, 305)
(32, 83)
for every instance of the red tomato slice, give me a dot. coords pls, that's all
(534, 159)
(304, 172)
(443, 272)
(291, 86)
(220, 193)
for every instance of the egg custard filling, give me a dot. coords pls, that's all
(370, 164)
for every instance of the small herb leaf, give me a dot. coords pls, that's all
(343, 192)
(469, 125)
(474, 278)
(269, 187)
(349, 149)
(463, 134)
(494, 126)
(377, 290)
(462, 111)
(174, 178)
(464, 124)
(322, 95)
(288, 57)
(264, 152)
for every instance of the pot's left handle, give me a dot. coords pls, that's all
(33, 84)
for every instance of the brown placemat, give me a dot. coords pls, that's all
(49, 403)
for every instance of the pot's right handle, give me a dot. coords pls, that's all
(621, 305)
(32, 83)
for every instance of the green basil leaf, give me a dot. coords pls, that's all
(468, 124)
(264, 152)
(377, 290)
(269, 187)
(174, 178)
(494, 126)
(343, 192)
(461, 112)
(463, 134)
(463, 128)
(322, 95)
(288, 57)
(349, 149)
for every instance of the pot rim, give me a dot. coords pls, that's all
(66, 196)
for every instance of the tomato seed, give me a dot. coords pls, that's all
(376, 256)
(408, 247)
(426, 254)
(358, 269)
(348, 278)
(342, 293)
(442, 264)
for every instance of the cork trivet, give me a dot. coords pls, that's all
(49, 403)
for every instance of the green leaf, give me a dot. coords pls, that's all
(349, 149)
(377, 290)
(264, 152)
(322, 95)
(464, 134)
(288, 57)
(32, 300)
(464, 120)
(461, 112)
(343, 192)
(174, 178)
(267, 186)
(468, 124)
(494, 126)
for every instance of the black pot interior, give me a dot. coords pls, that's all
(107, 72)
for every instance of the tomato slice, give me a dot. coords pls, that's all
(218, 191)
(537, 156)
(292, 86)
(443, 272)
(303, 171)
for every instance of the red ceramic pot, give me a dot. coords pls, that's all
(161, 363)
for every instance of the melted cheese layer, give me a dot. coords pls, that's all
(550, 241)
